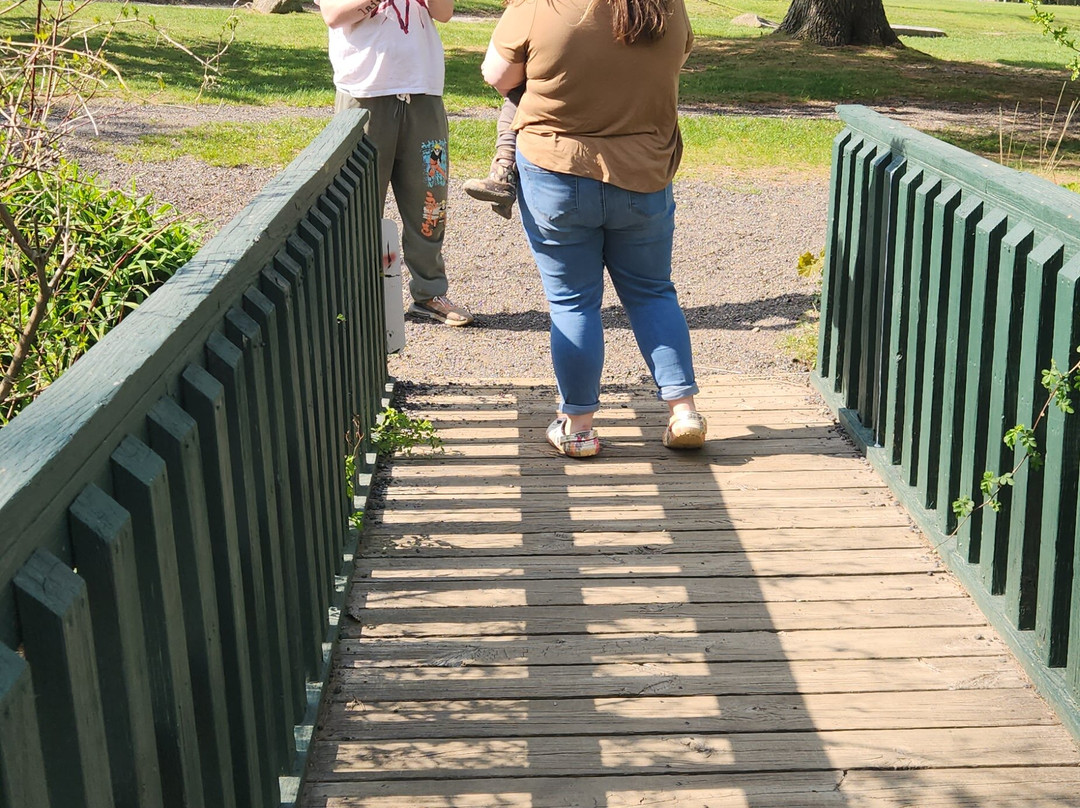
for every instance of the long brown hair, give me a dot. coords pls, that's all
(638, 20)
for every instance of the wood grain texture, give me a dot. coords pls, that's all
(659, 629)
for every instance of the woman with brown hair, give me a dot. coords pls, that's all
(598, 143)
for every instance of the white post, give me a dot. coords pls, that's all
(395, 311)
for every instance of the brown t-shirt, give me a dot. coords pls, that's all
(594, 107)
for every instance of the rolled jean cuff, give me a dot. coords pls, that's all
(578, 409)
(672, 393)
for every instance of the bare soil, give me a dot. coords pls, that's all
(738, 240)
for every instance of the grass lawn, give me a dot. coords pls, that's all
(993, 56)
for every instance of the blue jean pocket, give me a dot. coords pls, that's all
(551, 197)
(652, 205)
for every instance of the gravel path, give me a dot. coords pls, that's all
(737, 243)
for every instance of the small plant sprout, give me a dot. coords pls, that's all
(353, 437)
(396, 431)
(1059, 385)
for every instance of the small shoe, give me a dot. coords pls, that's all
(499, 186)
(576, 444)
(442, 309)
(685, 430)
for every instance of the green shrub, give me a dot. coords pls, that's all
(123, 246)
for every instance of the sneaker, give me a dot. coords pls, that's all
(442, 309)
(499, 186)
(576, 444)
(685, 430)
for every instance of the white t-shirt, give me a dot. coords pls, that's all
(395, 51)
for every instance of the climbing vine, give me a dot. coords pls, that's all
(1059, 385)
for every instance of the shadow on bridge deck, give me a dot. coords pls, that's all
(754, 625)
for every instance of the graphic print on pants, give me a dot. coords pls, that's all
(434, 213)
(433, 153)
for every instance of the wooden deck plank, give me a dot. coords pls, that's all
(756, 625)
(827, 712)
(650, 618)
(709, 589)
(683, 678)
(819, 563)
(1045, 787)
(590, 756)
(746, 646)
(383, 541)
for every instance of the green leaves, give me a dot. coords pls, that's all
(397, 431)
(1059, 385)
(122, 246)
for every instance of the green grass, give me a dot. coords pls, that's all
(993, 55)
(230, 144)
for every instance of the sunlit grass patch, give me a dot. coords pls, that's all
(273, 143)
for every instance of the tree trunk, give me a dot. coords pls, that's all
(839, 22)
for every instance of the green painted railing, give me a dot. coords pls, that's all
(950, 284)
(173, 510)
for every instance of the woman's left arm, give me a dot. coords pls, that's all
(501, 74)
(441, 10)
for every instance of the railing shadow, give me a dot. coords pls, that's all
(532, 631)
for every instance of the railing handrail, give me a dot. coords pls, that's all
(173, 510)
(950, 283)
(107, 391)
(1014, 192)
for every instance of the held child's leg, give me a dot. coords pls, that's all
(500, 185)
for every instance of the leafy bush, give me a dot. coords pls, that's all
(118, 247)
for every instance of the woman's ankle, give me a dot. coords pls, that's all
(678, 406)
(581, 422)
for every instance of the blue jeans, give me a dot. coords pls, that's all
(576, 226)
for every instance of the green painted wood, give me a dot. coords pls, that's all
(141, 486)
(887, 337)
(1025, 508)
(311, 388)
(104, 552)
(370, 294)
(1023, 196)
(876, 270)
(59, 644)
(335, 204)
(858, 275)
(836, 229)
(1072, 671)
(1004, 391)
(975, 408)
(64, 439)
(1058, 524)
(228, 365)
(22, 764)
(203, 397)
(331, 461)
(293, 488)
(952, 452)
(926, 194)
(244, 333)
(300, 435)
(935, 326)
(368, 302)
(316, 234)
(978, 320)
(842, 290)
(902, 303)
(174, 437)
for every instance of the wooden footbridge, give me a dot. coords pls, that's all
(755, 624)
(788, 618)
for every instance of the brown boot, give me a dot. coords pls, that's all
(499, 186)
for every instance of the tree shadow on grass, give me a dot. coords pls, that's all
(740, 70)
